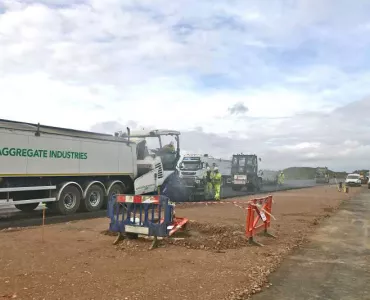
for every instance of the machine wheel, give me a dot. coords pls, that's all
(68, 202)
(94, 199)
(27, 207)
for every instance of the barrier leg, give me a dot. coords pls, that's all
(119, 238)
(154, 243)
(268, 234)
(268, 209)
(252, 242)
(249, 229)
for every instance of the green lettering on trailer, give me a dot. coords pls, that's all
(42, 153)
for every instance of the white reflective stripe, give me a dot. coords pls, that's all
(150, 201)
(137, 229)
(136, 221)
(129, 199)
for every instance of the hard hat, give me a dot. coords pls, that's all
(208, 169)
(171, 143)
(215, 169)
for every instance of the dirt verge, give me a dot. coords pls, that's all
(211, 261)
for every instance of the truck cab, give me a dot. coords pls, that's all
(244, 172)
(191, 173)
(156, 161)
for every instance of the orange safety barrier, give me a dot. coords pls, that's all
(258, 210)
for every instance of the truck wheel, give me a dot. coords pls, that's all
(27, 207)
(68, 202)
(94, 199)
(116, 189)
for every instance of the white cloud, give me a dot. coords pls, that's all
(167, 64)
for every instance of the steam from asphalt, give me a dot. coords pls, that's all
(174, 189)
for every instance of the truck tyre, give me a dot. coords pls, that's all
(27, 207)
(68, 202)
(116, 189)
(94, 199)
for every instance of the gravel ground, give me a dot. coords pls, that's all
(213, 261)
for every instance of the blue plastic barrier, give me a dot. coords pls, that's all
(146, 215)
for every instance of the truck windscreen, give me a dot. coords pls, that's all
(191, 166)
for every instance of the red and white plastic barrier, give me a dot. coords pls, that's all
(259, 218)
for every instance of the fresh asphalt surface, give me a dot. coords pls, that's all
(334, 264)
(12, 217)
(288, 184)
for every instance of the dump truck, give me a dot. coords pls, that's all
(322, 175)
(192, 169)
(244, 172)
(72, 170)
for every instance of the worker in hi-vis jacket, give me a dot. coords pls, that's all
(216, 180)
(208, 186)
(281, 178)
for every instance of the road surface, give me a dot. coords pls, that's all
(334, 265)
(288, 184)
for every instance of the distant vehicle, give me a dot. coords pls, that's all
(322, 175)
(368, 184)
(244, 172)
(353, 180)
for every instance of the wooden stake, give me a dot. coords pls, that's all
(43, 220)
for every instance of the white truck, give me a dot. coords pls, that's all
(192, 169)
(69, 169)
(223, 165)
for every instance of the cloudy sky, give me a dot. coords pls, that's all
(288, 80)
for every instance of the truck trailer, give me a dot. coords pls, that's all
(72, 170)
